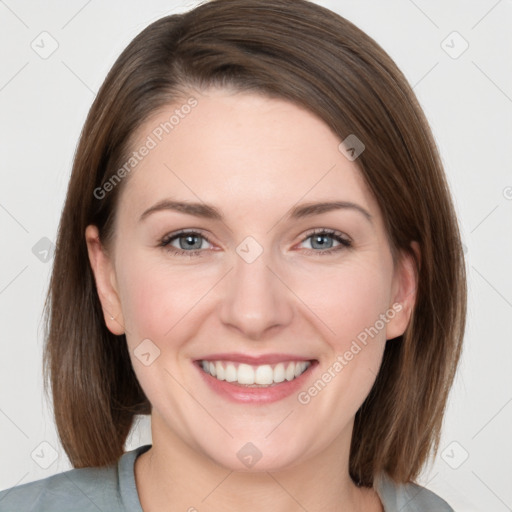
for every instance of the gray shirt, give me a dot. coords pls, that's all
(113, 489)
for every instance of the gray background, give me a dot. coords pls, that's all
(467, 96)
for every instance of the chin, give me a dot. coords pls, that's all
(248, 458)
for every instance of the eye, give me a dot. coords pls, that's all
(320, 240)
(189, 243)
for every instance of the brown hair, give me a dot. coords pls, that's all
(306, 54)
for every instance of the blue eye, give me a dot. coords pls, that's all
(190, 242)
(318, 240)
(187, 240)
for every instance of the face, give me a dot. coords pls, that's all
(289, 306)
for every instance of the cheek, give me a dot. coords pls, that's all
(350, 304)
(156, 297)
(142, 296)
(158, 303)
(351, 298)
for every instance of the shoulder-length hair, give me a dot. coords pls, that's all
(306, 54)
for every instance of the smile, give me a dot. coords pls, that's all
(255, 375)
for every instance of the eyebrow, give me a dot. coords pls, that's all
(210, 212)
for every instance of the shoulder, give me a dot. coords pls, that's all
(408, 497)
(109, 488)
(78, 489)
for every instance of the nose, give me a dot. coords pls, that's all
(255, 298)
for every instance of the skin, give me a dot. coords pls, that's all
(253, 158)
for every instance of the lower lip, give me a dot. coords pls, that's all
(243, 394)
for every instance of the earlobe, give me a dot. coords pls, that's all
(104, 277)
(405, 283)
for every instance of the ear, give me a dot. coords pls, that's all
(404, 289)
(106, 284)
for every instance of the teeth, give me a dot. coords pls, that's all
(290, 372)
(231, 373)
(263, 375)
(279, 374)
(219, 370)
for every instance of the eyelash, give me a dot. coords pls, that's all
(336, 235)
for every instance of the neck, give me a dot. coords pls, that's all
(172, 475)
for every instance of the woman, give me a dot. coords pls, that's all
(259, 249)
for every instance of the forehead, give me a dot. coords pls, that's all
(240, 151)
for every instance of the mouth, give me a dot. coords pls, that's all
(247, 380)
(264, 375)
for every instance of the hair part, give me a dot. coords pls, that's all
(301, 52)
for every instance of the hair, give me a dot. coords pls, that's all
(306, 54)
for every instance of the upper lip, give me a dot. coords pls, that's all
(254, 360)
